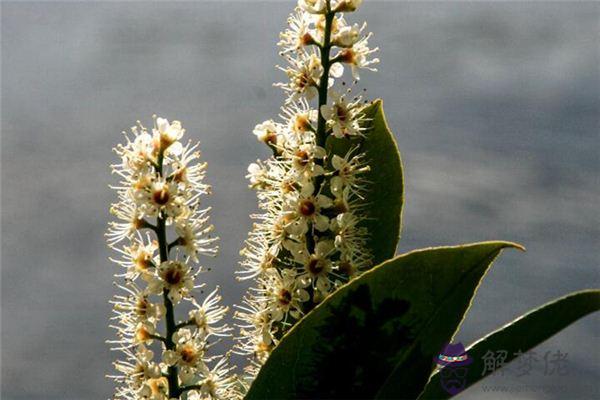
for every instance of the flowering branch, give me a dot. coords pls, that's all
(161, 178)
(309, 238)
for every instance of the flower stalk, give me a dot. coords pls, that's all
(162, 179)
(309, 237)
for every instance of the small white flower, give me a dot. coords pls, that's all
(348, 174)
(266, 132)
(155, 389)
(138, 259)
(188, 353)
(154, 195)
(135, 309)
(258, 175)
(300, 118)
(342, 116)
(304, 74)
(258, 259)
(256, 321)
(144, 332)
(348, 5)
(194, 234)
(305, 160)
(137, 154)
(306, 207)
(357, 56)
(286, 294)
(317, 267)
(218, 383)
(313, 6)
(208, 315)
(186, 171)
(174, 276)
(353, 265)
(167, 133)
(131, 218)
(140, 369)
(348, 35)
(298, 35)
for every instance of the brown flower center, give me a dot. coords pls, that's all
(142, 262)
(306, 39)
(307, 208)
(347, 56)
(142, 334)
(271, 137)
(301, 124)
(302, 80)
(173, 276)
(302, 158)
(180, 175)
(284, 297)
(346, 267)
(262, 348)
(141, 307)
(158, 385)
(161, 197)
(340, 206)
(138, 223)
(315, 266)
(142, 183)
(341, 113)
(188, 354)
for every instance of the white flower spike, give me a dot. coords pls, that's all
(309, 237)
(161, 189)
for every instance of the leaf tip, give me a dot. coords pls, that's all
(504, 244)
(517, 246)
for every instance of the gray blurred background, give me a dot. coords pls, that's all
(495, 106)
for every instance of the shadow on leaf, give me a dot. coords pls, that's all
(358, 350)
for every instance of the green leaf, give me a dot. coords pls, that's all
(385, 192)
(521, 335)
(380, 331)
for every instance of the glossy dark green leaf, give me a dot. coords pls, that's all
(385, 192)
(520, 336)
(393, 318)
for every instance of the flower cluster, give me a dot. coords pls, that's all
(309, 237)
(159, 196)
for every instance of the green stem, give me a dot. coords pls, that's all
(324, 81)
(191, 387)
(159, 338)
(321, 134)
(161, 233)
(184, 324)
(174, 243)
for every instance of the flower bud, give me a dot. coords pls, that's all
(168, 133)
(266, 132)
(348, 5)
